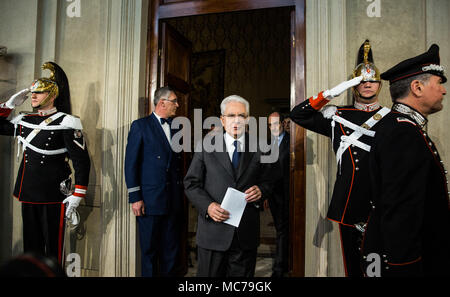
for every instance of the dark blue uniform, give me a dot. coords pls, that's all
(153, 175)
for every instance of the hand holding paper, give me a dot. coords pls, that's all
(217, 213)
(234, 202)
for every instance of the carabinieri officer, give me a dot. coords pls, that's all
(349, 128)
(410, 224)
(47, 139)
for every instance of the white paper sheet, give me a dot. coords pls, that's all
(234, 202)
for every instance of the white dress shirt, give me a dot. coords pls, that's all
(165, 127)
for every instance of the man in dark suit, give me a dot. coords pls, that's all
(408, 230)
(225, 250)
(154, 182)
(279, 201)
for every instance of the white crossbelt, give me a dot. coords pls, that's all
(38, 128)
(352, 139)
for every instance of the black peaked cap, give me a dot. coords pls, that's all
(427, 62)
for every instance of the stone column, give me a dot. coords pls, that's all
(325, 67)
(125, 47)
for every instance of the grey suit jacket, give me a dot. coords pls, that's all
(207, 180)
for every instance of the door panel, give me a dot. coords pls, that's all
(175, 61)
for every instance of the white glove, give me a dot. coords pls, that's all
(340, 88)
(17, 99)
(73, 201)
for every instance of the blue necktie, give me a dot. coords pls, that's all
(236, 155)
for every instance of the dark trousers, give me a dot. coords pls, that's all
(234, 262)
(43, 229)
(280, 214)
(159, 240)
(350, 242)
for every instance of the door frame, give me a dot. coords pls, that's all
(164, 9)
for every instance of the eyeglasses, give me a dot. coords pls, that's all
(240, 116)
(173, 100)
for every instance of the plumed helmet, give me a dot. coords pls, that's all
(57, 85)
(365, 65)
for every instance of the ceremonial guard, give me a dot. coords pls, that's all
(349, 128)
(47, 139)
(408, 230)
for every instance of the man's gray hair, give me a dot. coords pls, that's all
(162, 93)
(400, 89)
(234, 98)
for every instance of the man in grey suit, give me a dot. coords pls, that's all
(225, 250)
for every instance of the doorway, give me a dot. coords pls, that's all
(246, 49)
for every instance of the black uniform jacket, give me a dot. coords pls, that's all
(410, 224)
(39, 176)
(350, 201)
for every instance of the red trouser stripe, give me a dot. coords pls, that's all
(61, 233)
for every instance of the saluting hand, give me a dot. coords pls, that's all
(340, 88)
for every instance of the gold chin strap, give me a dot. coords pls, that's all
(43, 85)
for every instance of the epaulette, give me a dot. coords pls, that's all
(328, 111)
(72, 122)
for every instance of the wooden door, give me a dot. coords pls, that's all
(162, 9)
(175, 61)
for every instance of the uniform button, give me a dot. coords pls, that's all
(430, 144)
(46, 144)
(356, 160)
(26, 161)
(357, 168)
(49, 138)
(159, 157)
(52, 132)
(42, 162)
